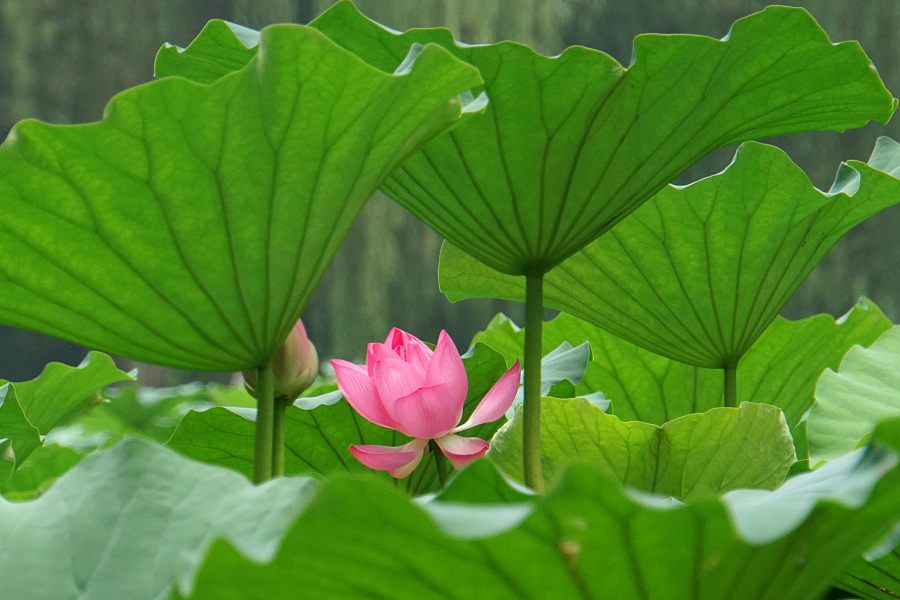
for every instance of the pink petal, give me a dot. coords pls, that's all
(395, 379)
(405, 344)
(497, 401)
(376, 353)
(426, 413)
(461, 450)
(446, 367)
(418, 355)
(399, 461)
(355, 385)
(394, 338)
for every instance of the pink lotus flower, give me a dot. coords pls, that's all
(406, 387)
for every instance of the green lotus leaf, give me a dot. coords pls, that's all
(781, 368)
(571, 145)
(700, 271)
(15, 430)
(875, 580)
(562, 364)
(850, 402)
(690, 457)
(220, 48)
(785, 364)
(30, 409)
(319, 430)
(39, 471)
(190, 227)
(129, 521)
(587, 538)
(748, 545)
(640, 385)
(853, 399)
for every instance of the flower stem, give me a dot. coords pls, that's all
(731, 386)
(531, 426)
(281, 405)
(440, 462)
(265, 417)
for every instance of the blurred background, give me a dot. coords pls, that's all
(62, 60)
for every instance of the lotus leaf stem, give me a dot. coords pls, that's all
(265, 422)
(731, 387)
(281, 405)
(531, 426)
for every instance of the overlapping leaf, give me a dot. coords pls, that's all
(640, 385)
(39, 472)
(784, 365)
(30, 409)
(320, 429)
(127, 522)
(101, 530)
(700, 271)
(220, 48)
(781, 368)
(690, 457)
(570, 145)
(876, 580)
(562, 365)
(585, 538)
(191, 225)
(852, 400)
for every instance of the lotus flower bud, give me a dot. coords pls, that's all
(294, 367)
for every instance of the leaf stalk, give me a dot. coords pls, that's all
(531, 438)
(731, 387)
(281, 405)
(265, 424)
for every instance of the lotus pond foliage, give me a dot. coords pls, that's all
(666, 436)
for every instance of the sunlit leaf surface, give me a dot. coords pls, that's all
(690, 457)
(853, 399)
(30, 409)
(781, 368)
(585, 539)
(129, 521)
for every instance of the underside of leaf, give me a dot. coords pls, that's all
(191, 226)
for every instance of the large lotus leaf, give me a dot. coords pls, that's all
(781, 368)
(873, 580)
(690, 457)
(562, 365)
(876, 580)
(587, 538)
(320, 429)
(640, 385)
(700, 271)
(220, 48)
(38, 473)
(15, 430)
(785, 364)
(128, 521)
(30, 409)
(851, 401)
(192, 224)
(572, 144)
